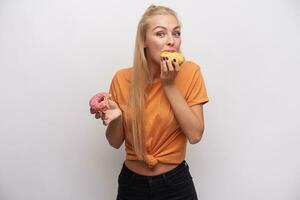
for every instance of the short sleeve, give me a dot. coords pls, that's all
(196, 93)
(114, 89)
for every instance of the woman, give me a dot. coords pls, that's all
(156, 107)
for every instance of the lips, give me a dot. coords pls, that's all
(169, 50)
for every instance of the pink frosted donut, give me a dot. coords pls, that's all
(98, 102)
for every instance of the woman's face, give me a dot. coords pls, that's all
(163, 34)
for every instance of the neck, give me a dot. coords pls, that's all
(154, 69)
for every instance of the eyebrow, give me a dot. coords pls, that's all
(164, 27)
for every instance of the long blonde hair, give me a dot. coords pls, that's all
(141, 77)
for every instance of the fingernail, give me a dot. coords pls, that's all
(167, 58)
(174, 60)
(164, 58)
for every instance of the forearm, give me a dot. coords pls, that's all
(115, 133)
(191, 124)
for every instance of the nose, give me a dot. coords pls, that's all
(170, 40)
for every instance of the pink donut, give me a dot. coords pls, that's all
(98, 102)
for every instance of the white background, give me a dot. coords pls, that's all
(56, 54)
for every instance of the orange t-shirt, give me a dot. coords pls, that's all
(165, 141)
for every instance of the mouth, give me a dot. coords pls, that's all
(169, 50)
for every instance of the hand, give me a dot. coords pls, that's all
(109, 114)
(169, 70)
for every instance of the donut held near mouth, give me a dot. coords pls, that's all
(173, 55)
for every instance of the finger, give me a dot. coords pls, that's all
(97, 115)
(108, 104)
(92, 111)
(163, 66)
(103, 116)
(170, 66)
(176, 64)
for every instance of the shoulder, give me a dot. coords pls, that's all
(188, 73)
(123, 74)
(189, 67)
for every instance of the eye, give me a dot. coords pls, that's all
(176, 33)
(160, 34)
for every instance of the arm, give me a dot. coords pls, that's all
(190, 119)
(115, 133)
(112, 118)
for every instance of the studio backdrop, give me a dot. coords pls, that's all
(56, 54)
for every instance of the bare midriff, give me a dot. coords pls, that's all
(142, 168)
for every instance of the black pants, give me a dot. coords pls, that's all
(176, 184)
